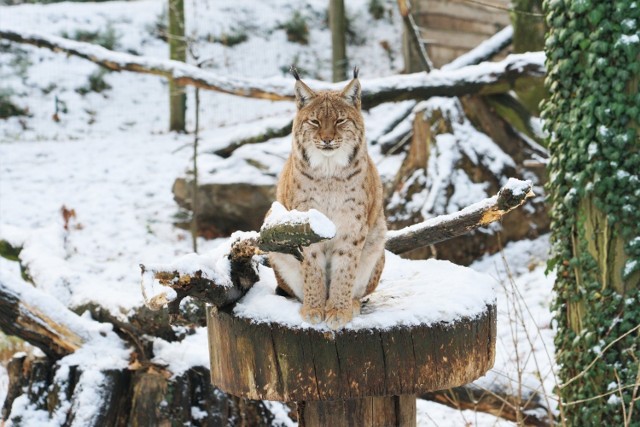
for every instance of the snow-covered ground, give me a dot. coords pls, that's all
(108, 157)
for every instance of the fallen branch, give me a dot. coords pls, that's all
(486, 78)
(529, 409)
(446, 227)
(266, 134)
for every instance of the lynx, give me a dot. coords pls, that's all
(330, 170)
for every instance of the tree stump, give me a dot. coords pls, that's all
(415, 334)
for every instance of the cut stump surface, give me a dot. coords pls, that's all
(431, 325)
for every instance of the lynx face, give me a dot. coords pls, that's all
(329, 124)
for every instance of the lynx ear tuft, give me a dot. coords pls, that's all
(294, 72)
(351, 93)
(356, 71)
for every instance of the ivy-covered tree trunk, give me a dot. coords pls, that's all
(178, 52)
(593, 62)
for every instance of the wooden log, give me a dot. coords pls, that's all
(499, 77)
(283, 237)
(265, 135)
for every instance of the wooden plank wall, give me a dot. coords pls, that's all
(453, 27)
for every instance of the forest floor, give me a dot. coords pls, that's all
(96, 143)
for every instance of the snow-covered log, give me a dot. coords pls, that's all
(40, 319)
(264, 134)
(485, 78)
(445, 227)
(365, 373)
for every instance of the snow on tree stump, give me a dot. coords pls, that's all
(430, 325)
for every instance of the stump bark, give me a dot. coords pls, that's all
(349, 377)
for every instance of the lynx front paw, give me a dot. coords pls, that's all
(336, 318)
(312, 315)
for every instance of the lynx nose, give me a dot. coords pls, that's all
(327, 141)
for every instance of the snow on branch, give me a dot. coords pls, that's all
(485, 78)
(445, 227)
(225, 275)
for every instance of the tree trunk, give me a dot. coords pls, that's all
(338, 24)
(594, 191)
(177, 52)
(528, 36)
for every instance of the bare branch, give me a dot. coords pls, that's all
(445, 227)
(487, 78)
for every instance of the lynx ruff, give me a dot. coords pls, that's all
(330, 170)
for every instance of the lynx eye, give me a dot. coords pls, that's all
(341, 122)
(314, 123)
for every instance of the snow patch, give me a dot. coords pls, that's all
(180, 356)
(410, 293)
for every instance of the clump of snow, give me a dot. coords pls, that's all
(626, 39)
(280, 412)
(319, 223)
(518, 187)
(410, 293)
